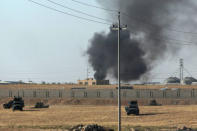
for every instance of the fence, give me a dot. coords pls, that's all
(100, 93)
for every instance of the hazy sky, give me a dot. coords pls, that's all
(39, 44)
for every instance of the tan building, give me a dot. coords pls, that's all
(91, 81)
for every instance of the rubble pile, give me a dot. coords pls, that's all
(185, 129)
(94, 127)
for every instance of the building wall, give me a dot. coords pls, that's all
(102, 82)
(91, 82)
(189, 94)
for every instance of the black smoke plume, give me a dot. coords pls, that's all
(103, 56)
(147, 39)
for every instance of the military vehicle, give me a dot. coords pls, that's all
(126, 87)
(17, 104)
(154, 103)
(8, 105)
(41, 105)
(132, 108)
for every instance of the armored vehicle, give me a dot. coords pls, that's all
(8, 105)
(132, 108)
(126, 87)
(17, 104)
(154, 103)
(41, 105)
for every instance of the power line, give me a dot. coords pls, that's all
(187, 72)
(78, 11)
(175, 40)
(170, 39)
(69, 13)
(125, 14)
(170, 29)
(82, 3)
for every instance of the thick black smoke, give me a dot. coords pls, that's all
(147, 40)
(103, 56)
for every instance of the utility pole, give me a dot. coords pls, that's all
(87, 72)
(181, 71)
(119, 28)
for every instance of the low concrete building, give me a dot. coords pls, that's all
(189, 80)
(3, 83)
(172, 80)
(91, 81)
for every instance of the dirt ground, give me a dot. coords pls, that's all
(60, 116)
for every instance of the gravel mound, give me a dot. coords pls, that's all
(185, 129)
(93, 127)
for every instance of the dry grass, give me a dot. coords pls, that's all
(66, 86)
(62, 116)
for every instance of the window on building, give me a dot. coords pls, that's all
(86, 83)
(93, 83)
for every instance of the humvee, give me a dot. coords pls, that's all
(154, 103)
(41, 105)
(17, 104)
(132, 108)
(8, 105)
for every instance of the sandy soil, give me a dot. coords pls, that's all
(62, 115)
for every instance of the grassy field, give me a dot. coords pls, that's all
(64, 116)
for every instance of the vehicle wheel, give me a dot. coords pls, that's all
(128, 114)
(21, 109)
